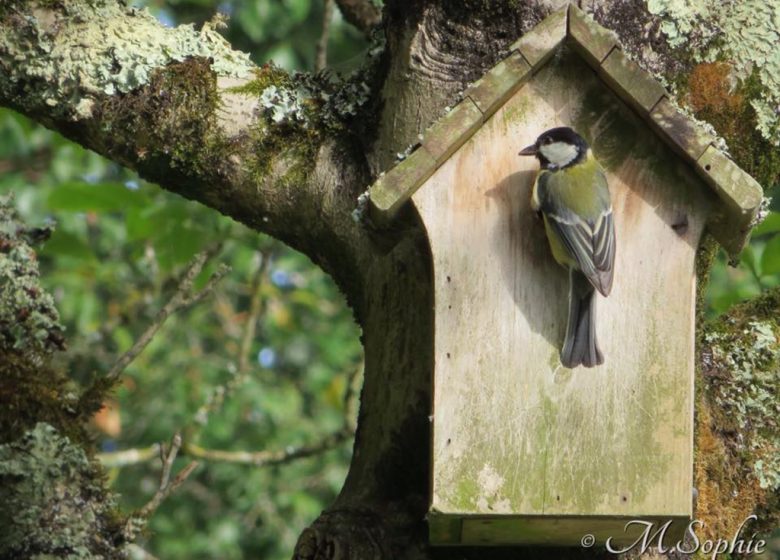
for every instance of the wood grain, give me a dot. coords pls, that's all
(514, 432)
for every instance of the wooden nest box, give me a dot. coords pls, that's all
(525, 450)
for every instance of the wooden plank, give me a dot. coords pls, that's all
(737, 189)
(395, 187)
(499, 84)
(570, 531)
(539, 44)
(741, 196)
(635, 86)
(444, 529)
(515, 433)
(589, 39)
(682, 134)
(452, 130)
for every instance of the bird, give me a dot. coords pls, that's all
(571, 194)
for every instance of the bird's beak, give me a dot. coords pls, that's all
(528, 151)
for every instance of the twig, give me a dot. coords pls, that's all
(256, 308)
(182, 298)
(129, 456)
(136, 521)
(360, 13)
(271, 457)
(166, 484)
(289, 454)
(268, 458)
(321, 60)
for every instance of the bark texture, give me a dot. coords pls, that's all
(203, 122)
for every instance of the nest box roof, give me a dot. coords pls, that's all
(739, 194)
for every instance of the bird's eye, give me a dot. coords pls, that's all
(547, 140)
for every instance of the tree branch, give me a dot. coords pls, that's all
(257, 458)
(182, 298)
(274, 151)
(216, 399)
(128, 457)
(321, 59)
(360, 13)
(167, 486)
(268, 458)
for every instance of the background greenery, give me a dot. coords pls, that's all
(113, 262)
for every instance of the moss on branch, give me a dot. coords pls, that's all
(168, 124)
(64, 56)
(54, 501)
(53, 497)
(738, 428)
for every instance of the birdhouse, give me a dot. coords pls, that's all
(526, 450)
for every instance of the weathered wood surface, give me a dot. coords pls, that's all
(514, 432)
(739, 193)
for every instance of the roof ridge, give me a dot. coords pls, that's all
(598, 47)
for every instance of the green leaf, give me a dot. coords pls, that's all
(65, 244)
(122, 338)
(749, 259)
(771, 224)
(13, 140)
(770, 261)
(139, 224)
(79, 196)
(179, 245)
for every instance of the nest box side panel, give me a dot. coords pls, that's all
(514, 432)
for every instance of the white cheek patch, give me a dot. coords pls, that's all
(559, 153)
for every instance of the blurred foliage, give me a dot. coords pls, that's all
(113, 262)
(285, 31)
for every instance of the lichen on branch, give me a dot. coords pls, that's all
(53, 500)
(738, 440)
(184, 110)
(53, 497)
(28, 318)
(65, 54)
(745, 33)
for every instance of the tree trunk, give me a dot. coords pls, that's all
(297, 175)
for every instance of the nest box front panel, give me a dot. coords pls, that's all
(514, 432)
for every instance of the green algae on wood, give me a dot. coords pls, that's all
(538, 44)
(451, 131)
(741, 198)
(494, 88)
(395, 187)
(636, 87)
(682, 133)
(591, 41)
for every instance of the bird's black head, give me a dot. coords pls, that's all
(558, 148)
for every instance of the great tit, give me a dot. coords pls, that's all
(571, 194)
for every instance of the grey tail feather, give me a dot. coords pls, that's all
(580, 345)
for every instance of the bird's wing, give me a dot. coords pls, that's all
(589, 238)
